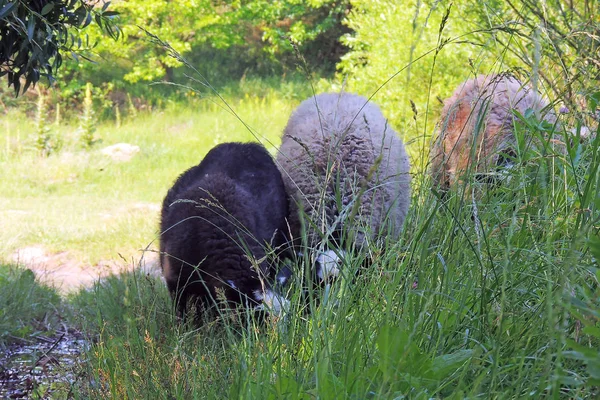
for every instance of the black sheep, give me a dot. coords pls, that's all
(217, 223)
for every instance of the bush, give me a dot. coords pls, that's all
(426, 55)
(225, 42)
(410, 54)
(36, 34)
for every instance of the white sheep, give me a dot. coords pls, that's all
(346, 172)
(476, 127)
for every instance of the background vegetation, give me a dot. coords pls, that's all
(36, 34)
(494, 294)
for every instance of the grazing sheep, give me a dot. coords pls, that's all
(346, 172)
(476, 126)
(216, 224)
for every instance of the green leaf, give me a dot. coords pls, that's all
(593, 102)
(47, 8)
(288, 388)
(592, 331)
(594, 245)
(581, 352)
(391, 342)
(529, 113)
(30, 27)
(594, 370)
(399, 354)
(446, 364)
(8, 8)
(28, 81)
(88, 20)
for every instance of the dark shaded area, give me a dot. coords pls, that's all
(42, 366)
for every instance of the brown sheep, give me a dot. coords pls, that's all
(476, 126)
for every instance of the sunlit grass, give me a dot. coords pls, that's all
(100, 209)
(26, 307)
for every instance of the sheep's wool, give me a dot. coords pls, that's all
(477, 124)
(345, 169)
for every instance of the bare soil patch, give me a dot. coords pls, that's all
(63, 272)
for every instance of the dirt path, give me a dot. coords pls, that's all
(67, 275)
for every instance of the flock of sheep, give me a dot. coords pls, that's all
(340, 182)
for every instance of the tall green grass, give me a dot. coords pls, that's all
(486, 295)
(492, 291)
(27, 309)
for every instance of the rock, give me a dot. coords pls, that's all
(121, 152)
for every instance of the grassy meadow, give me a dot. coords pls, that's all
(82, 201)
(492, 291)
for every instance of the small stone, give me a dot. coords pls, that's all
(121, 152)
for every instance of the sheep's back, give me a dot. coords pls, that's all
(212, 217)
(220, 214)
(342, 151)
(479, 115)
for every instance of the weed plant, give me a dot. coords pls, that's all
(88, 119)
(45, 142)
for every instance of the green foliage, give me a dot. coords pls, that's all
(307, 29)
(36, 34)
(585, 308)
(409, 53)
(404, 367)
(26, 307)
(226, 41)
(178, 22)
(557, 43)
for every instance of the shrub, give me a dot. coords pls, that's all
(36, 34)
